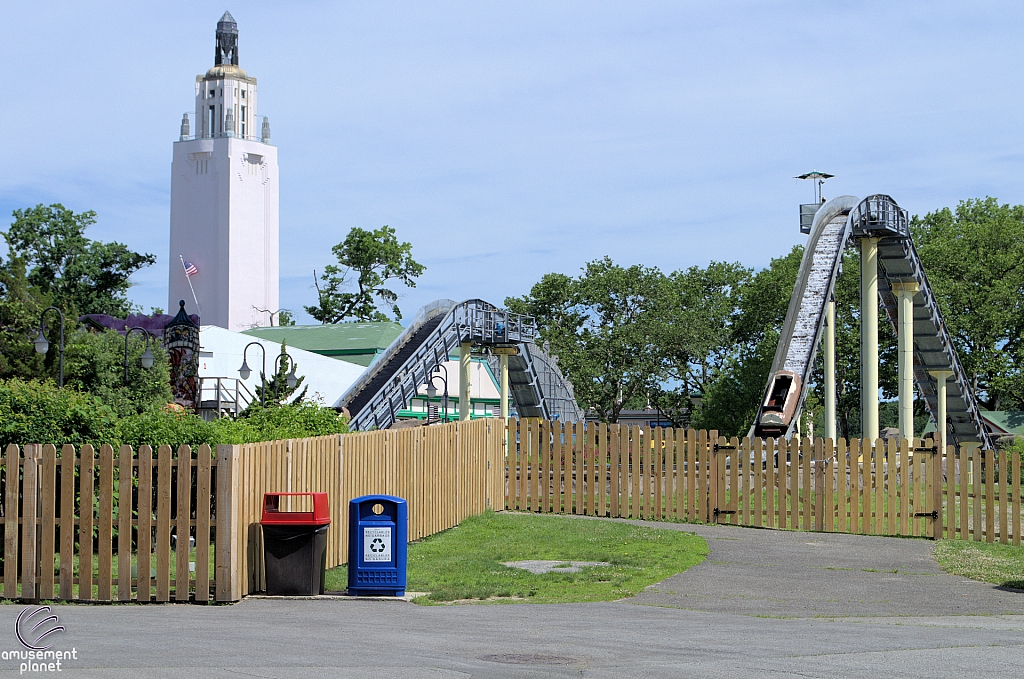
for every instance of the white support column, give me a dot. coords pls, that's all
(869, 338)
(464, 380)
(830, 370)
(940, 426)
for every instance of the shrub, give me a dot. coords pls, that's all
(160, 427)
(38, 412)
(94, 363)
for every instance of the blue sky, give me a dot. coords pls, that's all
(509, 140)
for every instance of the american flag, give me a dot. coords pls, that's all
(190, 268)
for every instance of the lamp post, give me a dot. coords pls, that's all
(244, 371)
(42, 345)
(291, 380)
(147, 356)
(432, 391)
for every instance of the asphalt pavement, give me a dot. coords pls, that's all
(764, 604)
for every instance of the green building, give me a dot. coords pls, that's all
(361, 343)
(357, 343)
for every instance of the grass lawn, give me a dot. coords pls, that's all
(988, 562)
(465, 562)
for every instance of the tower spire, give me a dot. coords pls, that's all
(227, 41)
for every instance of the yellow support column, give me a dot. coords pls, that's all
(830, 371)
(503, 354)
(464, 380)
(905, 311)
(940, 425)
(869, 338)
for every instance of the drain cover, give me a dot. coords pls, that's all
(528, 659)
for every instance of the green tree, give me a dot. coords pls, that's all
(974, 258)
(603, 327)
(81, 276)
(374, 259)
(94, 363)
(21, 305)
(731, 399)
(695, 332)
(277, 390)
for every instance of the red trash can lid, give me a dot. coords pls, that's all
(273, 515)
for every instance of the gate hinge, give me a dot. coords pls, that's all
(724, 511)
(718, 448)
(934, 514)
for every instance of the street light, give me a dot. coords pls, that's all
(291, 380)
(147, 357)
(42, 346)
(244, 371)
(432, 390)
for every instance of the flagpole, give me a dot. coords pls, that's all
(189, 279)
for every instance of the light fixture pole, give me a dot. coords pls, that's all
(147, 357)
(432, 391)
(244, 371)
(42, 345)
(292, 379)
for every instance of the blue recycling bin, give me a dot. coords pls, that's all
(378, 537)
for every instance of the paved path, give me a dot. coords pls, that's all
(692, 625)
(794, 574)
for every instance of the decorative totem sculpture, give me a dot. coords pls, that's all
(181, 342)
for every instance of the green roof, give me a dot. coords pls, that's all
(1009, 421)
(353, 342)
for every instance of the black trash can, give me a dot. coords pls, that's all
(295, 543)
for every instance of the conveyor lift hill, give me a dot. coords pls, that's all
(442, 328)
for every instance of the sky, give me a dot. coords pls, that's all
(509, 140)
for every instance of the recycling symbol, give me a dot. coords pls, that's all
(376, 545)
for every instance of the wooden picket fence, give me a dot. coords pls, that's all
(885, 487)
(78, 526)
(66, 514)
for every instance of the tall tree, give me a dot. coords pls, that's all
(603, 328)
(373, 259)
(730, 401)
(695, 333)
(81, 276)
(974, 258)
(21, 305)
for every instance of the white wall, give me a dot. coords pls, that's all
(224, 219)
(221, 356)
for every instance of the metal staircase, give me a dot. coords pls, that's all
(436, 332)
(537, 385)
(880, 217)
(877, 216)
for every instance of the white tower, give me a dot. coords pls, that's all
(224, 205)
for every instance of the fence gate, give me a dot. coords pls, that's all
(861, 486)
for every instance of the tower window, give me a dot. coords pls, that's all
(243, 94)
(212, 93)
(213, 118)
(243, 121)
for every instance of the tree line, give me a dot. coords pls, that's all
(635, 337)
